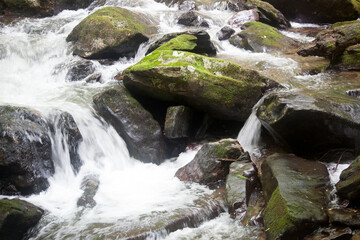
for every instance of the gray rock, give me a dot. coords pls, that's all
(90, 186)
(225, 33)
(80, 70)
(177, 122)
(349, 185)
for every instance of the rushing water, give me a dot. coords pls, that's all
(34, 60)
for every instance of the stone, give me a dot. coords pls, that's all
(348, 186)
(214, 86)
(110, 32)
(89, 185)
(297, 195)
(344, 216)
(206, 167)
(192, 19)
(80, 70)
(350, 59)
(225, 33)
(177, 122)
(353, 92)
(17, 217)
(25, 151)
(331, 233)
(242, 17)
(138, 128)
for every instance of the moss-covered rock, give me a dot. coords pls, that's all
(297, 195)
(350, 60)
(215, 86)
(349, 185)
(16, 218)
(134, 124)
(110, 32)
(322, 11)
(311, 124)
(191, 41)
(260, 37)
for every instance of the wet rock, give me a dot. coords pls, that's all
(349, 185)
(134, 124)
(344, 216)
(24, 8)
(192, 19)
(177, 122)
(89, 185)
(207, 167)
(353, 93)
(200, 43)
(301, 121)
(110, 32)
(17, 217)
(296, 191)
(215, 86)
(350, 60)
(93, 78)
(331, 233)
(259, 37)
(321, 11)
(225, 33)
(25, 151)
(242, 17)
(80, 70)
(60, 5)
(187, 6)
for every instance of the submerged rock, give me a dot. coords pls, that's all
(349, 185)
(215, 86)
(89, 185)
(177, 122)
(25, 151)
(260, 37)
(80, 70)
(296, 191)
(192, 41)
(110, 32)
(312, 124)
(134, 124)
(17, 217)
(209, 166)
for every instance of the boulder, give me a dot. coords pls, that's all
(177, 122)
(218, 87)
(110, 32)
(297, 195)
(90, 185)
(259, 37)
(17, 217)
(199, 43)
(350, 59)
(80, 70)
(192, 19)
(344, 216)
(225, 33)
(320, 11)
(331, 43)
(349, 185)
(242, 17)
(210, 166)
(25, 151)
(312, 123)
(134, 124)
(26, 8)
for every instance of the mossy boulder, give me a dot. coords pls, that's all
(350, 60)
(17, 217)
(349, 185)
(331, 43)
(310, 124)
(321, 11)
(110, 32)
(297, 195)
(210, 165)
(260, 37)
(191, 41)
(218, 87)
(138, 128)
(25, 151)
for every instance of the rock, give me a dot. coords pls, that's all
(296, 191)
(200, 43)
(89, 185)
(349, 185)
(134, 124)
(26, 8)
(25, 151)
(215, 86)
(96, 77)
(225, 33)
(354, 93)
(320, 11)
(242, 17)
(187, 6)
(207, 167)
(64, 124)
(312, 123)
(80, 70)
(259, 37)
(110, 32)
(268, 14)
(17, 217)
(344, 216)
(350, 60)
(60, 5)
(192, 19)
(331, 233)
(177, 122)
(331, 43)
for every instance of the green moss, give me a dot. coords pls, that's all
(220, 150)
(356, 4)
(183, 42)
(339, 24)
(351, 58)
(267, 35)
(277, 217)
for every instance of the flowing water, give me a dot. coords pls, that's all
(34, 60)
